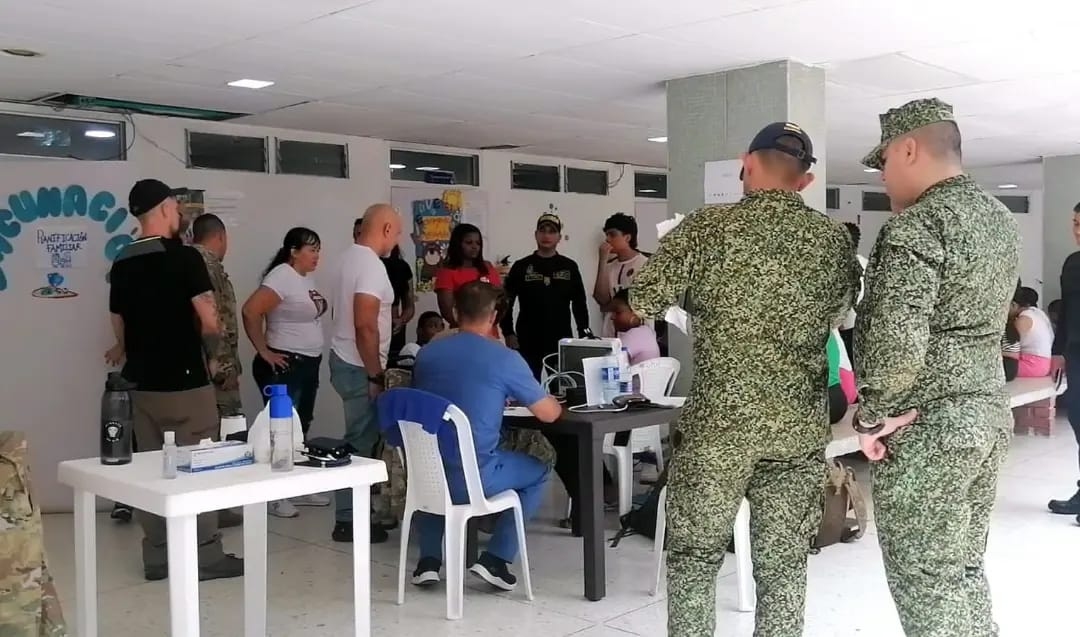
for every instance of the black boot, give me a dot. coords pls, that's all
(1067, 507)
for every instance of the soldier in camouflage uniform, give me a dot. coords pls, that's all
(765, 280)
(28, 603)
(927, 342)
(212, 242)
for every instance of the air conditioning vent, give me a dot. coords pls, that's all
(105, 104)
(501, 147)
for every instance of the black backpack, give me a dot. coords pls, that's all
(641, 520)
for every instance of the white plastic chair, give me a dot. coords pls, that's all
(428, 492)
(657, 377)
(744, 567)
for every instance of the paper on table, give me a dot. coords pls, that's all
(675, 315)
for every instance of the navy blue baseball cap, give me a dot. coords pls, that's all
(768, 138)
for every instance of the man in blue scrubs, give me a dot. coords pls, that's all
(479, 374)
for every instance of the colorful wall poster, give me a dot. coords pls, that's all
(433, 221)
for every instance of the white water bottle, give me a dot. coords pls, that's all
(624, 371)
(169, 454)
(281, 428)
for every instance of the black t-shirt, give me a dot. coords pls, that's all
(547, 288)
(152, 283)
(400, 274)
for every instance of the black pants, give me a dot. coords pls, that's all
(848, 336)
(838, 404)
(301, 377)
(1072, 394)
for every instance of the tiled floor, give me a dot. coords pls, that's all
(1033, 561)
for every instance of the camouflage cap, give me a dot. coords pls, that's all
(903, 120)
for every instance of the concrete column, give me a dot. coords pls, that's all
(714, 117)
(1061, 193)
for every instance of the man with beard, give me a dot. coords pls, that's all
(164, 317)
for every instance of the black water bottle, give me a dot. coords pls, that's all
(116, 420)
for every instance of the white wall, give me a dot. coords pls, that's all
(1031, 228)
(269, 205)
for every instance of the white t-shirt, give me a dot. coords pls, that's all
(620, 277)
(295, 325)
(360, 272)
(849, 318)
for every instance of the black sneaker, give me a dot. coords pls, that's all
(121, 513)
(1066, 507)
(228, 566)
(427, 572)
(494, 571)
(343, 533)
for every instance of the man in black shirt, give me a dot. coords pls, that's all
(1066, 352)
(547, 285)
(404, 306)
(161, 305)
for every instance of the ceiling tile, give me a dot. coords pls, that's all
(1027, 55)
(656, 58)
(510, 25)
(893, 74)
(553, 73)
(347, 120)
(495, 93)
(224, 99)
(212, 78)
(642, 15)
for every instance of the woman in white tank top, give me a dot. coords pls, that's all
(1036, 334)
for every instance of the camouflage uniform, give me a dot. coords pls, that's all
(29, 606)
(228, 356)
(928, 336)
(765, 281)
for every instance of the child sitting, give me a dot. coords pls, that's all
(636, 335)
(428, 327)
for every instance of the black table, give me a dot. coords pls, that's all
(590, 430)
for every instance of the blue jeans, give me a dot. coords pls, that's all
(507, 470)
(361, 427)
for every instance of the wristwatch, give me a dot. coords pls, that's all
(378, 379)
(865, 428)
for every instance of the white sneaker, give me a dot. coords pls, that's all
(283, 509)
(311, 500)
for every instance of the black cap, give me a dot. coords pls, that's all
(768, 138)
(549, 219)
(146, 194)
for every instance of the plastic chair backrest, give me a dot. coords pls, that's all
(424, 464)
(657, 376)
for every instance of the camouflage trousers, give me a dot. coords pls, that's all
(228, 402)
(932, 506)
(706, 485)
(29, 606)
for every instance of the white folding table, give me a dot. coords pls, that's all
(179, 501)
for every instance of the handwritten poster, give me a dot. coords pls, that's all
(61, 247)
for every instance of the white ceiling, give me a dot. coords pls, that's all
(572, 78)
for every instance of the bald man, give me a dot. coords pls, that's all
(362, 298)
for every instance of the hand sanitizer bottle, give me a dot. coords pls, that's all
(168, 456)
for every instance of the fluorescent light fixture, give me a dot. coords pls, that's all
(1007, 186)
(252, 84)
(870, 170)
(32, 134)
(97, 133)
(647, 190)
(659, 140)
(397, 166)
(428, 168)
